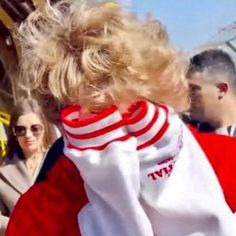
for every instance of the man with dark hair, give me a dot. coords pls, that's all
(212, 79)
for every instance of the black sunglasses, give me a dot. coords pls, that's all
(20, 130)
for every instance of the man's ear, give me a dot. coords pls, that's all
(223, 88)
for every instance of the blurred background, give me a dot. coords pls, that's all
(192, 26)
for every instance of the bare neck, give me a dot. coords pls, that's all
(226, 113)
(33, 155)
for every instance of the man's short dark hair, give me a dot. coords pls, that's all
(214, 61)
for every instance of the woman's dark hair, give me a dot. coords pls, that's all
(23, 107)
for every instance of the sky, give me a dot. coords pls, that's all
(190, 23)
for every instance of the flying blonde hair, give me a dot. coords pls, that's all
(86, 53)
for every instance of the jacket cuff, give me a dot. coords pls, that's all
(95, 132)
(146, 122)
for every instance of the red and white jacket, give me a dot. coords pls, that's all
(106, 157)
(139, 174)
(144, 174)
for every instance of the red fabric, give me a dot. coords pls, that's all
(50, 208)
(221, 152)
(78, 122)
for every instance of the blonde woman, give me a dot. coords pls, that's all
(29, 138)
(130, 166)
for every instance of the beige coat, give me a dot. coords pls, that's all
(14, 180)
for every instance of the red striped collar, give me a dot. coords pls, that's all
(95, 132)
(146, 122)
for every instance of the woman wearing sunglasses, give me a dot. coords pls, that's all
(29, 138)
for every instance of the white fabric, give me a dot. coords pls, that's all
(112, 184)
(185, 198)
(167, 188)
(229, 131)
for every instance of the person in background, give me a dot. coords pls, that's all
(212, 80)
(29, 138)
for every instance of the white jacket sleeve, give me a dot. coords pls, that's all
(107, 160)
(180, 192)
